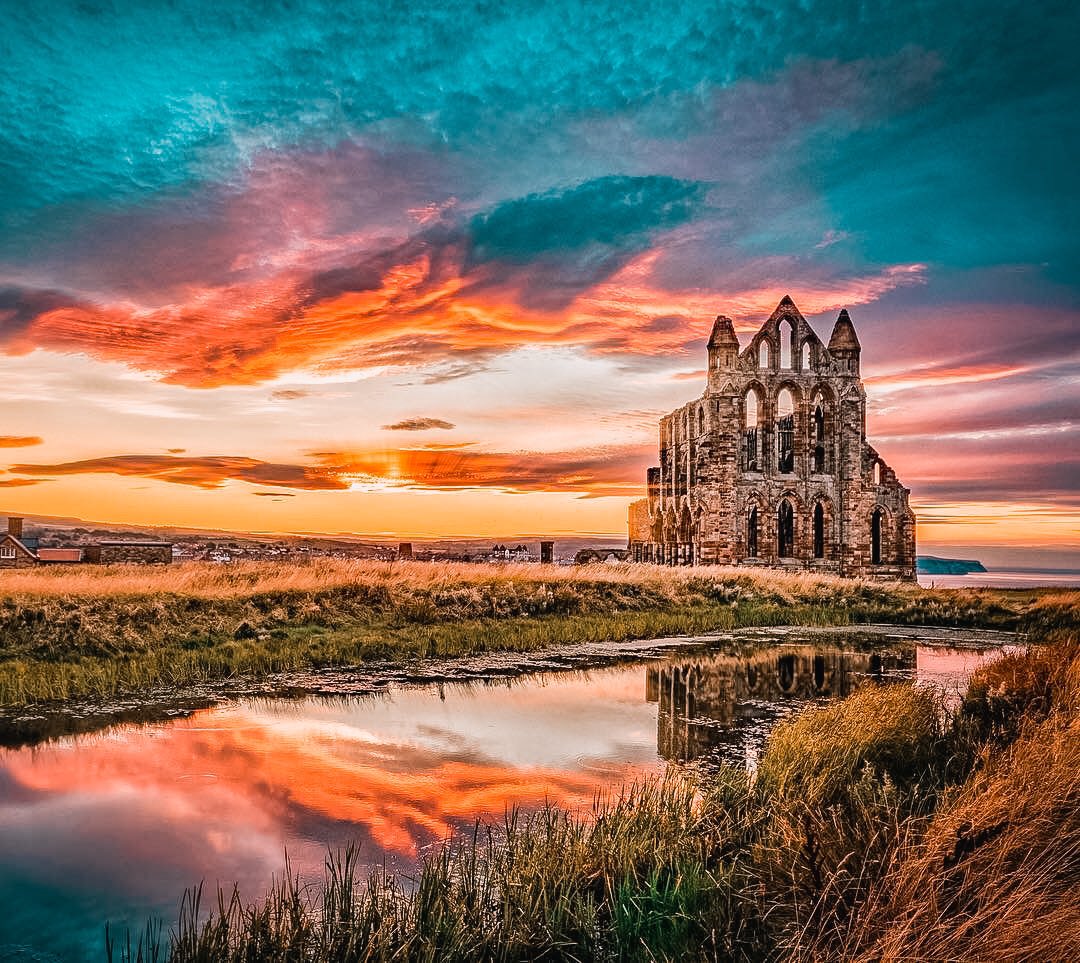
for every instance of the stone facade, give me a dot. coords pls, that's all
(137, 553)
(770, 466)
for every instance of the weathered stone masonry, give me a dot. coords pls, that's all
(771, 465)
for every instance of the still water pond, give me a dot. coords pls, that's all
(113, 826)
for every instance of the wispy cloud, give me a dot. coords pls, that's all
(419, 424)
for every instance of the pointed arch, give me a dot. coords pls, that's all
(785, 529)
(787, 343)
(821, 415)
(763, 353)
(877, 535)
(807, 356)
(751, 443)
(819, 530)
(752, 522)
(785, 431)
(686, 525)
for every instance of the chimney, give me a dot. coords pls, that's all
(14, 527)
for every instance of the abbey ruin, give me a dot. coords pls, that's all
(771, 467)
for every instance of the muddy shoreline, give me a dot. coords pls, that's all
(44, 722)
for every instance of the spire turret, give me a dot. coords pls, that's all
(723, 333)
(844, 342)
(723, 350)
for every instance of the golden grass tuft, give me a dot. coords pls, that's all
(996, 875)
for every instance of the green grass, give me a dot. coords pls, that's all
(102, 632)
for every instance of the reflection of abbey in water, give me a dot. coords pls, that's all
(699, 699)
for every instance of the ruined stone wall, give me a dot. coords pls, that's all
(132, 554)
(824, 498)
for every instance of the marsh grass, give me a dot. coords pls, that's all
(876, 829)
(100, 631)
(643, 877)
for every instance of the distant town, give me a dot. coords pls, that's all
(27, 542)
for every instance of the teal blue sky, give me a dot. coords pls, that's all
(203, 193)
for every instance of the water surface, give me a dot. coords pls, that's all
(113, 826)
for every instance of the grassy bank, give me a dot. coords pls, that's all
(876, 829)
(100, 631)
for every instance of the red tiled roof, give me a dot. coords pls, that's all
(60, 554)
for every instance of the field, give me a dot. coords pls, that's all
(96, 632)
(877, 829)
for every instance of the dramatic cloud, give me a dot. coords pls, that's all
(609, 211)
(419, 424)
(208, 472)
(613, 471)
(19, 441)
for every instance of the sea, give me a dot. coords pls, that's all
(1005, 578)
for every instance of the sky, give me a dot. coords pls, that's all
(424, 269)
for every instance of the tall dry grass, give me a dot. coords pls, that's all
(996, 875)
(208, 580)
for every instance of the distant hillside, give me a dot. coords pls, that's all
(932, 565)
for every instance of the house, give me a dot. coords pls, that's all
(16, 551)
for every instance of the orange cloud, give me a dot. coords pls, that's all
(19, 441)
(604, 471)
(206, 472)
(423, 303)
(419, 424)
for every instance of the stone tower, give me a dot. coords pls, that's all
(770, 466)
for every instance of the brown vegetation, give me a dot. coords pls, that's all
(94, 631)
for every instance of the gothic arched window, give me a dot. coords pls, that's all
(763, 354)
(877, 521)
(751, 533)
(787, 342)
(785, 529)
(819, 531)
(819, 435)
(785, 432)
(750, 431)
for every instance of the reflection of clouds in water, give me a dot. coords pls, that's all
(132, 816)
(221, 793)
